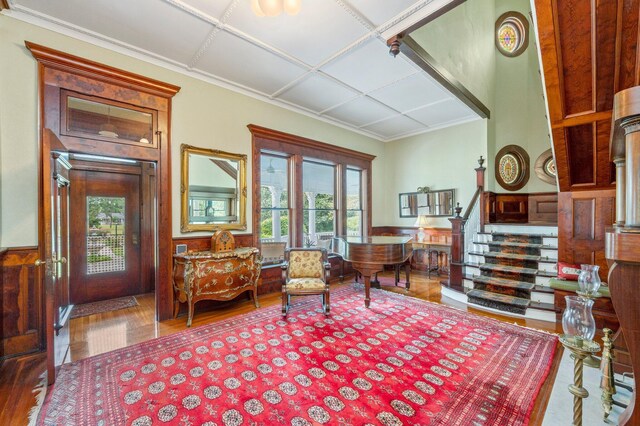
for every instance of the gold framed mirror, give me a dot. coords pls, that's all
(213, 190)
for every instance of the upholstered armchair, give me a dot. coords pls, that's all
(305, 272)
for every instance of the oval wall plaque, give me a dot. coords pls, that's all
(512, 167)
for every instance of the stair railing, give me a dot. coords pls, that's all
(458, 225)
(472, 226)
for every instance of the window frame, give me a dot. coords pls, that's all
(258, 209)
(297, 149)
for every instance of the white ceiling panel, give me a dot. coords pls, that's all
(321, 29)
(360, 111)
(215, 9)
(381, 11)
(441, 113)
(130, 22)
(394, 126)
(317, 93)
(410, 93)
(331, 59)
(369, 67)
(237, 60)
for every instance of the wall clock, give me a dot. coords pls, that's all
(512, 167)
(545, 167)
(512, 33)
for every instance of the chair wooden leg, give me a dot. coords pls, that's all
(396, 271)
(326, 303)
(285, 299)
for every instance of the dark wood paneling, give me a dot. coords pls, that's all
(543, 208)
(203, 243)
(580, 147)
(582, 220)
(3, 251)
(59, 71)
(577, 71)
(589, 52)
(506, 208)
(21, 303)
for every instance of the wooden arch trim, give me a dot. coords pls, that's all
(63, 61)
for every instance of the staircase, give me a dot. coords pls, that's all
(508, 269)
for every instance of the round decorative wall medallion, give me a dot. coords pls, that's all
(545, 167)
(512, 167)
(512, 33)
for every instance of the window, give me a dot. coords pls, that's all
(318, 186)
(274, 199)
(354, 202)
(308, 191)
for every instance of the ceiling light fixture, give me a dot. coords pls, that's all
(108, 129)
(270, 169)
(275, 7)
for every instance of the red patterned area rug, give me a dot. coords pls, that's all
(403, 361)
(92, 308)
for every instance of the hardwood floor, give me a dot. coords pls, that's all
(96, 334)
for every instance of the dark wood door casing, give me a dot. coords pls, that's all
(60, 71)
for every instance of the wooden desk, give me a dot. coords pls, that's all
(443, 251)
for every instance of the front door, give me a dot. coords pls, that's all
(105, 235)
(54, 246)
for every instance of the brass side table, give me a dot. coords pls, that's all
(580, 349)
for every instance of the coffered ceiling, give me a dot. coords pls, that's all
(330, 61)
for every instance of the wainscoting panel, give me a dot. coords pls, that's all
(22, 298)
(583, 219)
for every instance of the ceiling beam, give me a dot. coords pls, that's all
(412, 50)
(431, 17)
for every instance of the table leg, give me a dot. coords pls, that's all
(367, 287)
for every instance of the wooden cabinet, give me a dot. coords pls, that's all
(215, 276)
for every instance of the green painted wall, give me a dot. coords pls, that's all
(442, 159)
(461, 41)
(519, 110)
(204, 115)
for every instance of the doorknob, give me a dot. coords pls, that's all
(39, 262)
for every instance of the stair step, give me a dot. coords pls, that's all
(503, 282)
(512, 256)
(519, 245)
(543, 289)
(542, 306)
(515, 305)
(490, 267)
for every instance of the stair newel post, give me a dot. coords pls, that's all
(480, 183)
(456, 263)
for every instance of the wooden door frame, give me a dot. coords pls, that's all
(59, 71)
(140, 170)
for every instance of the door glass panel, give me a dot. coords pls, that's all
(95, 118)
(105, 234)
